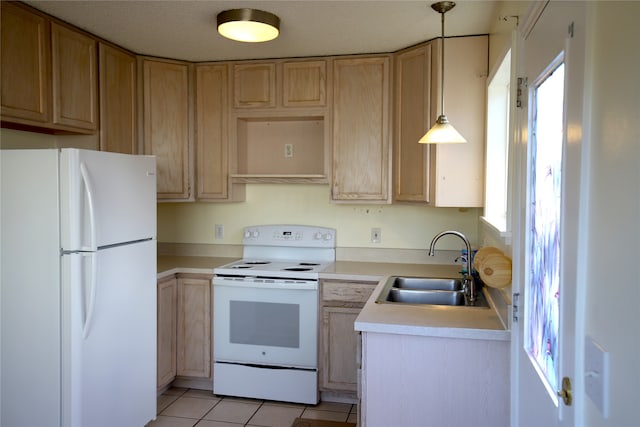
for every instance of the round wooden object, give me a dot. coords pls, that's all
(482, 254)
(496, 271)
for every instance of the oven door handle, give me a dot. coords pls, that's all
(307, 285)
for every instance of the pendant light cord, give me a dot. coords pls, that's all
(442, 70)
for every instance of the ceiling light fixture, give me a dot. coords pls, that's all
(248, 25)
(442, 132)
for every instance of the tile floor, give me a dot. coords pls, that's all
(180, 407)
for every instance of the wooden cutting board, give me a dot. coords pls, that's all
(493, 267)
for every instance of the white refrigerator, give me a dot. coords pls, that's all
(78, 289)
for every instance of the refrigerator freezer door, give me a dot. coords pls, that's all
(109, 337)
(106, 199)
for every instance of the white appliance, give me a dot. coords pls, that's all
(78, 290)
(266, 314)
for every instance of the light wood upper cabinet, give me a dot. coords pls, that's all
(194, 327)
(304, 83)
(212, 136)
(457, 175)
(75, 78)
(361, 146)
(412, 119)
(281, 84)
(117, 100)
(167, 125)
(167, 327)
(25, 62)
(49, 73)
(254, 85)
(441, 175)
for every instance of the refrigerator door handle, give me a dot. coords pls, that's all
(92, 220)
(91, 287)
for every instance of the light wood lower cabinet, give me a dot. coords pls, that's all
(184, 330)
(193, 339)
(167, 310)
(341, 303)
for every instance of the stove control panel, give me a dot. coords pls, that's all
(289, 235)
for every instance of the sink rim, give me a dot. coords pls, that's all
(385, 294)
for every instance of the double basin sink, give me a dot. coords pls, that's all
(428, 291)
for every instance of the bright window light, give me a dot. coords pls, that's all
(497, 157)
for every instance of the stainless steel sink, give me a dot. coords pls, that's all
(428, 283)
(427, 291)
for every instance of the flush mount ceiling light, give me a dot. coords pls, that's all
(442, 132)
(248, 25)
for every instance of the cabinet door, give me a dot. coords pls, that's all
(254, 85)
(167, 304)
(25, 62)
(117, 100)
(75, 78)
(304, 84)
(361, 130)
(166, 125)
(458, 174)
(212, 159)
(412, 111)
(194, 327)
(339, 349)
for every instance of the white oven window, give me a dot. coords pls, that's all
(264, 323)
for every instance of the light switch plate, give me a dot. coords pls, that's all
(596, 368)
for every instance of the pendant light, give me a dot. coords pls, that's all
(442, 132)
(248, 25)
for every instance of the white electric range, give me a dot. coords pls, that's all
(266, 314)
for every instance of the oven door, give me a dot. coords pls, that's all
(266, 323)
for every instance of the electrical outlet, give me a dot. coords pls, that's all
(288, 150)
(219, 232)
(376, 235)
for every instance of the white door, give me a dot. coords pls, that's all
(547, 218)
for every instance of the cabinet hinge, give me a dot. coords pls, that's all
(515, 305)
(523, 83)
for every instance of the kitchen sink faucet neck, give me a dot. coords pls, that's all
(470, 286)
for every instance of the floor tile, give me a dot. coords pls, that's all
(333, 407)
(232, 411)
(163, 421)
(164, 401)
(324, 415)
(189, 407)
(175, 391)
(210, 423)
(353, 418)
(275, 415)
(203, 394)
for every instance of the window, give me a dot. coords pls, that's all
(497, 156)
(545, 186)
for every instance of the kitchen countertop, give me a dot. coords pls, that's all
(404, 319)
(168, 264)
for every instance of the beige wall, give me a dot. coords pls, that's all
(403, 226)
(612, 200)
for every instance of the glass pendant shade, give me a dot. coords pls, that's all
(442, 133)
(248, 25)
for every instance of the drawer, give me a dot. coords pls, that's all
(347, 291)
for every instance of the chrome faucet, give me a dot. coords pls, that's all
(469, 283)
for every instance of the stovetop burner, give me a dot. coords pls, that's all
(287, 251)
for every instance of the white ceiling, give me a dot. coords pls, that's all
(186, 29)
